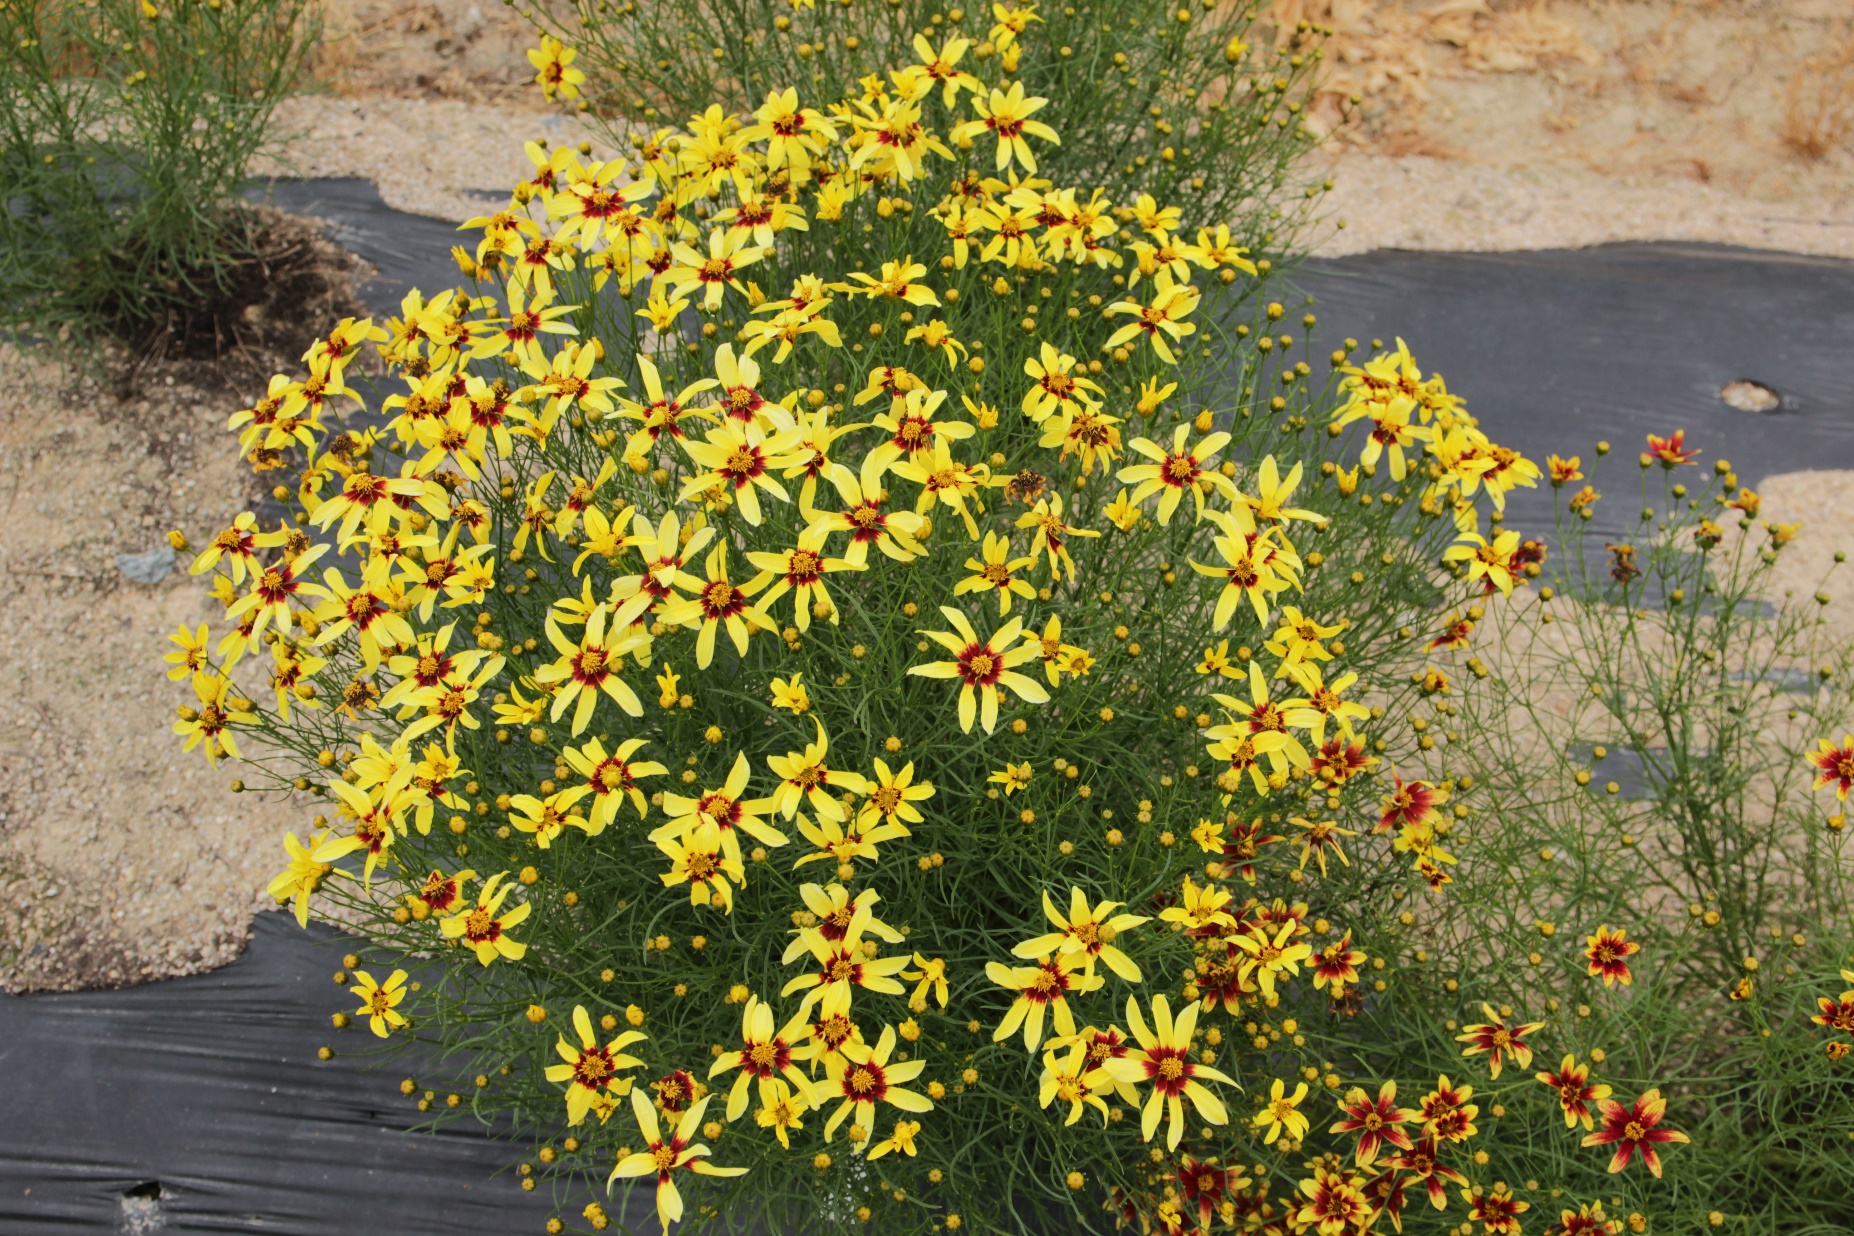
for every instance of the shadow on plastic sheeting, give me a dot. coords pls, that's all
(406, 251)
(197, 1105)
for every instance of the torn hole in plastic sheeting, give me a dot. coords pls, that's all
(1749, 396)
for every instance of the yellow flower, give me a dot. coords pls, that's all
(805, 776)
(1176, 472)
(1164, 1059)
(1123, 512)
(738, 458)
(1058, 657)
(309, 866)
(1061, 389)
(590, 667)
(1052, 534)
(1200, 907)
(1255, 569)
(191, 656)
(1074, 1081)
(610, 778)
(864, 1077)
(483, 928)
(982, 666)
(1272, 493)
(800, 571)
(839, 843)
(1160, 320)
(941, 67)
(699, 860)
(996, 572)
(1271, 958)
(380, 1001)
(863, 516)
(1042, 987)
(663, 1157)
(791, 695)
(548, 818)
(1217, 661)
(554, 73)
(837, 946)
(210, 725)
(945, 481)
(764, 1057)
(726, 809)
(903, 1140)
(893, 796)
(1013, 777)
(1281, 1115)
(591, 1072)
(782, 1109)
(895, 282)
(717, 603)
(717, 270)
(931, 975)
(1086, 933)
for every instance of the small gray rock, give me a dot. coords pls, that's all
(147, 568)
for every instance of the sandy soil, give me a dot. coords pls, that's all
(1510, 125)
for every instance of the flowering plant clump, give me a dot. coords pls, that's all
(877, 676)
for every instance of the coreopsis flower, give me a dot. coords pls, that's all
(1327, 701)
(1446, 1112)
(795, 136)
(1089, 434)
(996, 572)
(936, 336)
(737, 458)
(609, 778)
(1123, 512)
(1498, 1212)
(483, 928)
(791, 695)
(274, 589)
(1209, 1189)
(663, 415)
(1299, 639)
(896, 282)
(1608, 954)
(440, 893)
(1160, 321)
(717, 603)
(842, 964)
(982, 666)
(700, 859)
(930, 976)
(891, 141)
(1670, 452)
(764, 1057)
(1251, 569)
(1575, 1091)
(1492, 561)
(1178, 471)
(841, 842)
(554, 71)
(715, 271)
(367, 611)
(1834, 765)
(1499, 1041)
(1271, 957)
(1200, 907)
(1059, 657)
(1424, 1166)
(1335, 1203)
(892, 797)
(781, 1109)
(1041, 988)
(545, 819)
(901, 1140)
(310, 865)
(1633, 1130)
(1086, 933)
(1052, 534)
(800, 571)
(726, 808)
(370, 501)
(590, 667)
(863, 516)
(1378, 1122)
(1011, 22)
(1164, 1060)
(806, 777)
(1242, 845)
(236, 546)
(380, 1001)
(1006, 115)
(863, 1076)
(1317, 839)
(1061, 387)
(1586, 1220)
(666, 1156)
(1073, 1081)
(592, 1072)
(940, 68)
(209, 726)
(1584, 501)
(1014, 777)
(1411, 804)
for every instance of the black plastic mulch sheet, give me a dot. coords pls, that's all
(196, 1104)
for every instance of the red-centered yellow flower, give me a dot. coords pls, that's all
(665, 1156)
(236, 546)
(1007, 115)
(1174, 473)
(664, 415)
(844, 842)
(800, 571)
(737, 458)
(483, 928)
(1041, 988)
(896, 282)
(940, 68)
(982, 666)
(1586, 1220)
(997, 572)
(1378, 1122)
(1052, 534)
(700, 860)
(717, 603)
(591, 1072)
(545, 819)
(1335, 1203)
(1086, 933)
(309, 866)
(1574, 1090)
(1446, 1112)
(380, 1001)
(795, 136)
(864, 517)
(806, 777)
(1059, 657)
(892, 797)
(765, 1055)
(1635, 1130)
(1160, 321)
(1834, 765)
(1060, 387)
(272, 591)
(945, 481)
(1074, 1081)
(210, 725)
(610, 778)
(1164, 1060)
(1608, 954)
(1254, 569)
(1499, 1041)
(717, 270)
(441, 893)
(1271, 957)
(554, 71)
(863, 1077)
(1492, 561)
(590, 667)
(1497, 1212)
(726, 809)
(1336, 965)
(370, 611)
(912, 430)
(843, 960)
(1425, 1167)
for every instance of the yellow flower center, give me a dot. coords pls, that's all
(1171, 1068)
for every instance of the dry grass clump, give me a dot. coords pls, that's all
(1818, 106)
